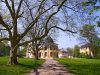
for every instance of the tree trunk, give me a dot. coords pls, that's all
(36, 55)
(14, 42)
(94, 54)
(13, 55)
(36, 49)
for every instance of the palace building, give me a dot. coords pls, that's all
(48, 50)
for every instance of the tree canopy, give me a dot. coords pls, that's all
(90, 36)
(19, 17)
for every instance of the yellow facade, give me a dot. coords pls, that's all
(48, 53)
(86, 51)
(48, 50)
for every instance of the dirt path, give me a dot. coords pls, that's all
(50, 67)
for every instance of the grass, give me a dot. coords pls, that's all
(25, 66)
(81, 66)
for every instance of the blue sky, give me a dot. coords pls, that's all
(65, 41)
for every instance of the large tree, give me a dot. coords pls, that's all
(90, 36)
(17, 14)
(37, 31)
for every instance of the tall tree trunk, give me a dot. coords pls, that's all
(36, 49)
(36, 55)
(94, 51)
(13, 54)
(14, 42)
(13, 57)
(94, 54)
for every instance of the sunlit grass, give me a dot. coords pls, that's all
(25, 66)
(82, 66)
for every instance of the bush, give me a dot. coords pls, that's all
(4, 50)
(83, 55)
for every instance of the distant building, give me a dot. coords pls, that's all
(48, 50)
(85, 49)
(65, 53)
(62, 54)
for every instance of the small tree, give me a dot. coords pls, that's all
(76, 51)
(70, 51)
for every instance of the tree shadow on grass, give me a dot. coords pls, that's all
(26, 65)
(36, 71)
(34, 67)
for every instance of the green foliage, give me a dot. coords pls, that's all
(92, 10)
(24, 49)
(25, 66)
(4, 50)
(98, 54)
(70, 51)
(76, 51)
(21, 52)
(84, 55)
(85, 3)
(98, 23)
(92, 4)
(81, 66)
(88, 32)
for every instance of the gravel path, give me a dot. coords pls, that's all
(50, 67)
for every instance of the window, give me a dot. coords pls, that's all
(50, 48)
(45, 48)
(51, 54)
(40, 54)
(45, 53)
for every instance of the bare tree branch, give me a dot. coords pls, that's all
(2, 39)
(5, 25)
(71, 8)
(62, 29)
(13, 6)
(46, 24)
(8, 6)
(18, 10)
(3, 29)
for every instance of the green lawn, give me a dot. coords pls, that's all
(25, 65)
(82, 66)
